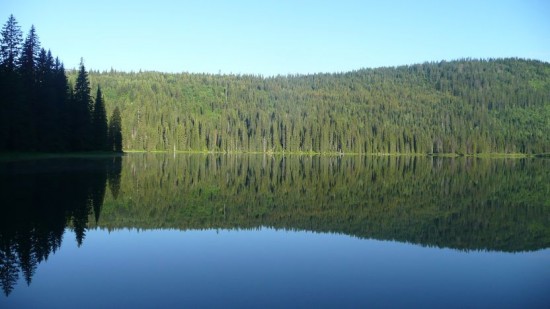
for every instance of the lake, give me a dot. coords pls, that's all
(207, 230)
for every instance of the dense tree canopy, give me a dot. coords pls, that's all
(464, 107)
(38, 109)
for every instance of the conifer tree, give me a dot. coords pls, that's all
(81, 110)
(46, 112)
(10, 48)
(29, 56)
(62, 96)
(115, 131)
(10, 44)
(100, 130)
(39, 111)
(24, 133)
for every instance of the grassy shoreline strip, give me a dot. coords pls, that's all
(15, 156)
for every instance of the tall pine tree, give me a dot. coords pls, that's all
(25, 131)
(62, 94)
(39, 111)
(115, 131)
(29, 56)
(10, 49)
(81, 112)
(46, 113)
(10, 44)
(99, 124)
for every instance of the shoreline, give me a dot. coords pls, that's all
(12, 156)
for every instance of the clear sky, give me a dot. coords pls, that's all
(270, 37)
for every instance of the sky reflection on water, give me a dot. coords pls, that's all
(276, 268)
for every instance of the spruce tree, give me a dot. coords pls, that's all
(115, 131)
(45, 112)
(62, 94)
(100, 130)
(29, 55)
(25, 131)
(34, 109)
(81, 119)
(10, 48)
(10, 44)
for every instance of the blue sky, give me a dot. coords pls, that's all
(281, 37)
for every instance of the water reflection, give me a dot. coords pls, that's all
(461, 203)
(39, 200)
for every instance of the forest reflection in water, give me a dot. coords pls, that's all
(462, 203)
(459, 203)
(40, 199)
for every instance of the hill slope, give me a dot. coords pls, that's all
(465, 107)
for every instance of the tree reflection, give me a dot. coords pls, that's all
(39, 200)
(460, 203)
(114, 175)
(9, 267)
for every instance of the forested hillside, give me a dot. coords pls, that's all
(463, 107)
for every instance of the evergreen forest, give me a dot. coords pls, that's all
(39, 110)
(463, 107)
(457, 107)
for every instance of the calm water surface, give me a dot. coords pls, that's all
(270, 231)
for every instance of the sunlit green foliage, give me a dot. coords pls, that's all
(463, 107)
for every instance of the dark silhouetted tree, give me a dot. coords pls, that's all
(10, 49)
(81, 112)
(29, 56)
(39, 111)
(60, 88)
(99, 123)
(10, 44)
(63, 95)
(115, 131)
(24, 128)
(48, 110)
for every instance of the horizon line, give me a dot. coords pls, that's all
(464, 59)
